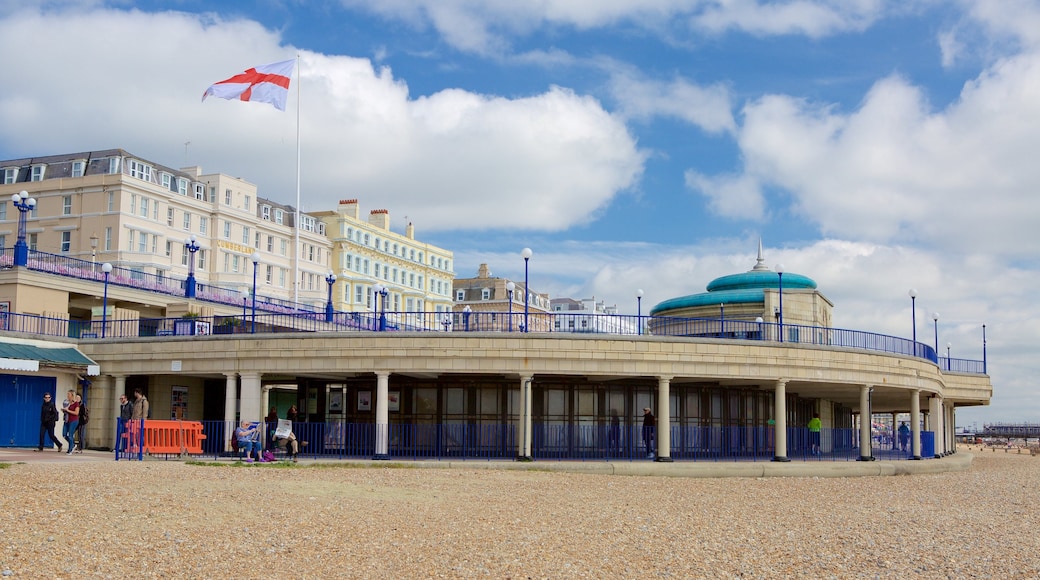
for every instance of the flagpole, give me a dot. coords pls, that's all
(296, 254)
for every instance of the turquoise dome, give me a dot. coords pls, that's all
(744, 288)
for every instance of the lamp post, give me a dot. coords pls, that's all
(93, 251)
(256, 266)
(376, 293)
(107, 269)
(722, 319)
(913, 318)
(948, 347)
(330, 279)
(465, 316)
(510, 286)
(526, 254)
(780, 292)
(758, 320)
(983, 349)
(385, 293)
(935, 319)
(244, 292)
(25, 204)
(189, 285)
(639, 311)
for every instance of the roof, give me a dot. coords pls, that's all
(25, 355)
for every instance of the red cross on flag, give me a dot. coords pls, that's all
(268, 83)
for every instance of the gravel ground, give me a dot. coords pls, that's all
(174, 520)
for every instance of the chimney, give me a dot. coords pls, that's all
(380, 218)
(483, 271)
(349, 208)
(409, 231)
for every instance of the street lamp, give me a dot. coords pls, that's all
(25, 204)
(107, 269)
(256, 266)
(639, 310)
(913, 316)
(189, 285)
(526, 254)
(93, 251)
(510, 286)
(983, 349)
(935, 319)
(244, 292)
(465, 316)
(384, 292)
(780, 312)
(722, 319)
(948, 346)
(330, 279)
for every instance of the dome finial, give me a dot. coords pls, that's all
(761, 262)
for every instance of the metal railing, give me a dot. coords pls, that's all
(550, 442)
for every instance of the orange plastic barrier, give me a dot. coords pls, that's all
(173, 437)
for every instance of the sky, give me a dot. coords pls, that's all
(874, 146)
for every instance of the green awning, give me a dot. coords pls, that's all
(25, 355)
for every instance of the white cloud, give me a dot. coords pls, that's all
(454, 159)
(488, 26)
(733, 196)
(707, 107)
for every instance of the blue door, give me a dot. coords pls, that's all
(20, 401)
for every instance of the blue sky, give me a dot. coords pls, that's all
(873, 146)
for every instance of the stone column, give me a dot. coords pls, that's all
(523, 420)
(780, 410)
(935, 412)
(250, 398)
(915, 423)
(664, 420)
(382, 450)
(118, 384)
(895, 432)
(866, 448)
(230, 399)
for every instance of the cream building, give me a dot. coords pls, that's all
(368, 256)
(498, 304)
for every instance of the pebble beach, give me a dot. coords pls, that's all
(158, 519)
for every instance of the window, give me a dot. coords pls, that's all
(187, 221)
(227, 197)
(169, 248)
(133, 203)
(460, 295)
(247, 200)
(113, 165)
(166, 180)
(310, 253)
(203, 224)
(184, 255)
(200, 260)
(78, 168)
(265, 212)
(279, 216)
(66, 205)
(140, 170)
(359, 293)
(234, 263)
(66, 242)
(227, 230)
(10, 175)
(169, 216)
(142, 243)
(284, 247)
(3, 210)
(321, 228)
(144, 207)
(182, 186)
(270, 244)
(307, 223)
(37, 172)
(270, 273)
(130, 240)
(108, 239)
(111, 201)
(155, 240)
(245, 235)
(33, 238)
(200, 192)
(256, 240)
(281, 277)
(485, 294)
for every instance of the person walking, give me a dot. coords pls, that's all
(904, 436)
(48, 419)
(649, 424)
(814, 434)
(71, 424)
(81, 428)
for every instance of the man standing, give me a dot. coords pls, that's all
(126, 411)
(815, 424)
(649, 424)
(137, 415)
(48, 418)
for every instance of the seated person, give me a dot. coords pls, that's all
(248, 437)
(291, 445)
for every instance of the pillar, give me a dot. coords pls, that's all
(382, 450)
(664, 420)
(118, 385)
(895, 433)
(935, 411)
(230, 406)
(250, 397)
(780, 410)
(915, 423)
(866, 443)
(265, 401)
(523, 420)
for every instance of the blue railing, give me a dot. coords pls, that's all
(275, 315)
(552, 442)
